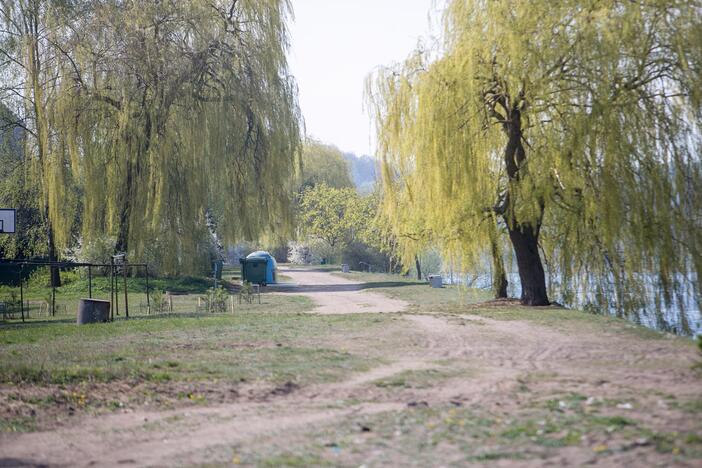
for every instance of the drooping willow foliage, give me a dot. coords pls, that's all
(577, 122)
(162, 120)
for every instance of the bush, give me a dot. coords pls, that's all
(98, 250)
(359, 255)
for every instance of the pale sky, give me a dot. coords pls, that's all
(335, 45)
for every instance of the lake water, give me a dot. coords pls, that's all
(669, 318)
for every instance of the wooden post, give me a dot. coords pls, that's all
(126, 292)
(53, 299)
(116, 279)
(112, 289)
(148, 301)
(90, 281)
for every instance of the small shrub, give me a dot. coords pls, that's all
(158, 301)
(217, 299)
(39, 278)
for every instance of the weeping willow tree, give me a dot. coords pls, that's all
(169, 116)
(571, 126)
(29, 80)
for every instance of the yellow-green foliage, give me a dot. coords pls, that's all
(323, 163)
(609, 92)
(152, 118)
(340, 216)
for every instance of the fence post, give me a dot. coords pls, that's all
(90, 281)
(148, 302)
(112, 289)
(126, 292)
(53, 299)
(21, 293)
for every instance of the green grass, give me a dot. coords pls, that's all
(424, 378)
(17, 424)
(418, 293)
(274, 342)
(75, 285)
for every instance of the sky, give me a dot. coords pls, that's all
(335, 45)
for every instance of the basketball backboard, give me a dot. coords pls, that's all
(7, 220)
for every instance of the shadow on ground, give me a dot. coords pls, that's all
(344, 287)
(18, 462)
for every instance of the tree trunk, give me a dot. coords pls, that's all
(125, 213)
(419, 268)
(524, 236)
(531, 272)
(499, 278)
(123, 235)
(55, 273)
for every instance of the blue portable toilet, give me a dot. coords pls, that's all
(271, 265)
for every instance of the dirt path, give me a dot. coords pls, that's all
(499, 367)
(335, 295)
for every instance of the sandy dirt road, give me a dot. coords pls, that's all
(494, 367)
(336, 295)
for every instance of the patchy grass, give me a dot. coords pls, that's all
(274, 348)
(419, 379)
(415, 436)
(18, 424)
(458, 300)
(418, 293)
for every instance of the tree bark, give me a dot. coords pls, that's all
(419, 268)
(524, 236)
(525, 241)
(55, 272)
(499, 278)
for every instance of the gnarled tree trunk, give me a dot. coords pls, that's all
(531, 272)
(524, 236)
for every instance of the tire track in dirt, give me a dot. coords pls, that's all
(151, 439)
(334, 295)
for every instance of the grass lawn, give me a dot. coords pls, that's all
(271, 342)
